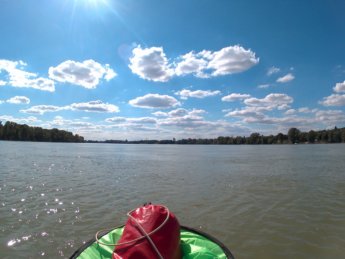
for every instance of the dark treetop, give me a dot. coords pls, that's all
(14, 131)
(293, 136)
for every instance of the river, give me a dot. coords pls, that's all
(278, 201)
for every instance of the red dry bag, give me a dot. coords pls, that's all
(151, 231)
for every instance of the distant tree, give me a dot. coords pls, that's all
(14, 131)
(342, 135)
(311, 136)
(293, 135)
(254, 138)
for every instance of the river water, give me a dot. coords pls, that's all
(281, 201)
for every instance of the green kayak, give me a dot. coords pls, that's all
(194, 244)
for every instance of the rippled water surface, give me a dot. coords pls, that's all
(261, 201)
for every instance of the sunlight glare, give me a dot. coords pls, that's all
(93, 3)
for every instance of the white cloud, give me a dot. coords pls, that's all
(287, 78)
(151, 64)
(185, 94)
(264, 86)
(140, 120)
(19, 100)
(59, 121)
(235, 97)
(92, 106)
(307, 110)
(30, 119)
(160, 114)
(178, 112)
(86, 74)
(334, 100)
(17, 77)
(41, 109)
(330, 117)
(116, 119)
(95, 106)
(230, 60)
(319, 118)
(271, 101)
(246, 112)
(280, 121)
(290, 112)
(155, 101)
(272, 70)
(191, 64)
(2, 83)
(339, 87)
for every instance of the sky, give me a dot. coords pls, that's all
(159, 69)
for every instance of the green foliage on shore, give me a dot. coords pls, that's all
(22, 132)
(293, 136)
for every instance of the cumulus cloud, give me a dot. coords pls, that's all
(185, 94)
(160, 114)
(325, 118)
(287, 78)
(273, 70)
(290, 111)
(330, 117)
(177, 113)
(116, 119)
(184, 118)
(230, 60)
(307, 110)
(19, 100)
(180, 112)
(191, 63)
(235, 97)
(271, 101)
(41, 109)
(281, 121)
(2, 82)
(246, 112)
(140, 120)
(30, 119)
(334, 100)
(226, 61)
(86, 74)
(155, 101)
(339, 87)
(18, 77)
(92, 106)
(151, 64)
(59, 121)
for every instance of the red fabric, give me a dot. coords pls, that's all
(166, 239)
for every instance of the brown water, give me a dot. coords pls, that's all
(261, 201)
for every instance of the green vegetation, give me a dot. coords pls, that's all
(294, 136)
(14, 131)
(19, 132)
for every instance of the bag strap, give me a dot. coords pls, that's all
(145, 235)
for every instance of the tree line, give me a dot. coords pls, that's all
(293, 136)
(22, 132)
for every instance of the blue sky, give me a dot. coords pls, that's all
(154, 69)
